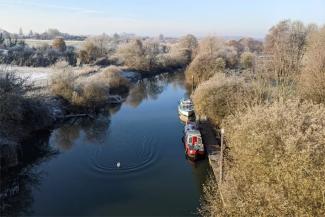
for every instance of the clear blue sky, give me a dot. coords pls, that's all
(152, 17)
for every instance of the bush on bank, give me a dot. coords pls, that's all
(275, 165)
(221, 96)
(18, 110)
(92, 93)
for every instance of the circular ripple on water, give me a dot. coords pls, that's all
(133, 155)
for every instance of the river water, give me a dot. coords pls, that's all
(129, 160)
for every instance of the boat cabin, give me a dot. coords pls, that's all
(194, 139)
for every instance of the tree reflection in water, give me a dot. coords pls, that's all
(16, 185)
(95, 130)
(150, 88)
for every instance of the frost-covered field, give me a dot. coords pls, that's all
(37, 75)
(38, 43)
(41, 76)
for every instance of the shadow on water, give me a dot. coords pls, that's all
(16, 185)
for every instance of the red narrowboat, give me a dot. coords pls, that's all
(194, 147)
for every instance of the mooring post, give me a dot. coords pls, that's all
(222, 131)
(192, 84)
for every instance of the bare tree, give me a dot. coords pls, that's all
(286, 43)
(312, 80)
(210, 45)
(188, 44)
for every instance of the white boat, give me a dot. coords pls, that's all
(186, 107)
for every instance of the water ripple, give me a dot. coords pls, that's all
(133, 156)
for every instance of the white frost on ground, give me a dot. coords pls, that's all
(41, 76)
(37, 75)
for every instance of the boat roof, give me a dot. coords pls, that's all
(194, 133)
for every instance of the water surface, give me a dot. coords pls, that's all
(128, 161)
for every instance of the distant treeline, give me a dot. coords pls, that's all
(50, 34)
(142, 54)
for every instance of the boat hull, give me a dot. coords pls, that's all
(186, 119)
(186, 113)
(194, 154)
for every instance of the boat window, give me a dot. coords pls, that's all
(194, 139)
(190, 140)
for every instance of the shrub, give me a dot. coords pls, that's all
(12, 90)
(275, 164)
(117, 83)
(247, 60)
(229, 55)
(203, 67)
(89, 52)
(24, 55)
(222, 96)
(59, 44)
(92, 93)
(62, 83)
(133, 54)
(17, 111)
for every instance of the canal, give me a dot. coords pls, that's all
(127, 161)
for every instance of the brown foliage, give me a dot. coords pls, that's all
(93, 92)
(221, 96)
(247, 60)
(117, 83)
(275, 165)
(59, 43)
(140, 55)
(203, 67)
(312, 79)
(89, 52)
(63, 83)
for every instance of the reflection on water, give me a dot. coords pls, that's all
(95, 130)
(16, 185)
(127, 160)
(150, 88)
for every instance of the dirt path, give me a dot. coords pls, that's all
(211, 139)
